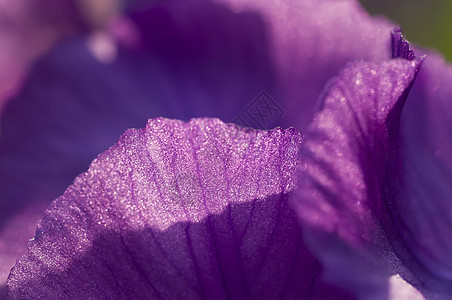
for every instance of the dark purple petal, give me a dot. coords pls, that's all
(310, 42)
(177, 210)
(347, 160)
(400, 47)
(422, 193)
(216, 60)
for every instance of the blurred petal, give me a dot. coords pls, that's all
(347, 159)
(311, 41)
(219, 60)
(177, 210)
(27, 29)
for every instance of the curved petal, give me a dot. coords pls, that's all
(176, 210)
(423, 201)
(219, 59)
(311, 41)
(347, 159)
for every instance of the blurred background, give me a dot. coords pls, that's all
(31, 22)
(29, 28)
(426, 23)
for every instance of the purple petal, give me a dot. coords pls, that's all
(13, 233)
(72, 100)
(205, 60)
(347, 159)
(27, 29)
(310, 42)
(217, 60)
(201, 59)
(73, 107)
(422, 201)
(177, 210)
(400, 47)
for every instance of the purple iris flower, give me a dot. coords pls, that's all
(203, 209)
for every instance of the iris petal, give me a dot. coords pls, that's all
(347, 159)
(73, 107)
(422, 193)
(177, 210)
(27, 30)
(199, 59)
(310, 42)
(40, 147)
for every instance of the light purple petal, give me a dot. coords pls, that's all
(177, 210)
(347, 159)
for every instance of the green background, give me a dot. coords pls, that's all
(425, 22)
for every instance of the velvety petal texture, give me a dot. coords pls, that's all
(177, 210)
(343, 196)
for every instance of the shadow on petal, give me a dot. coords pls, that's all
(252, 250)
